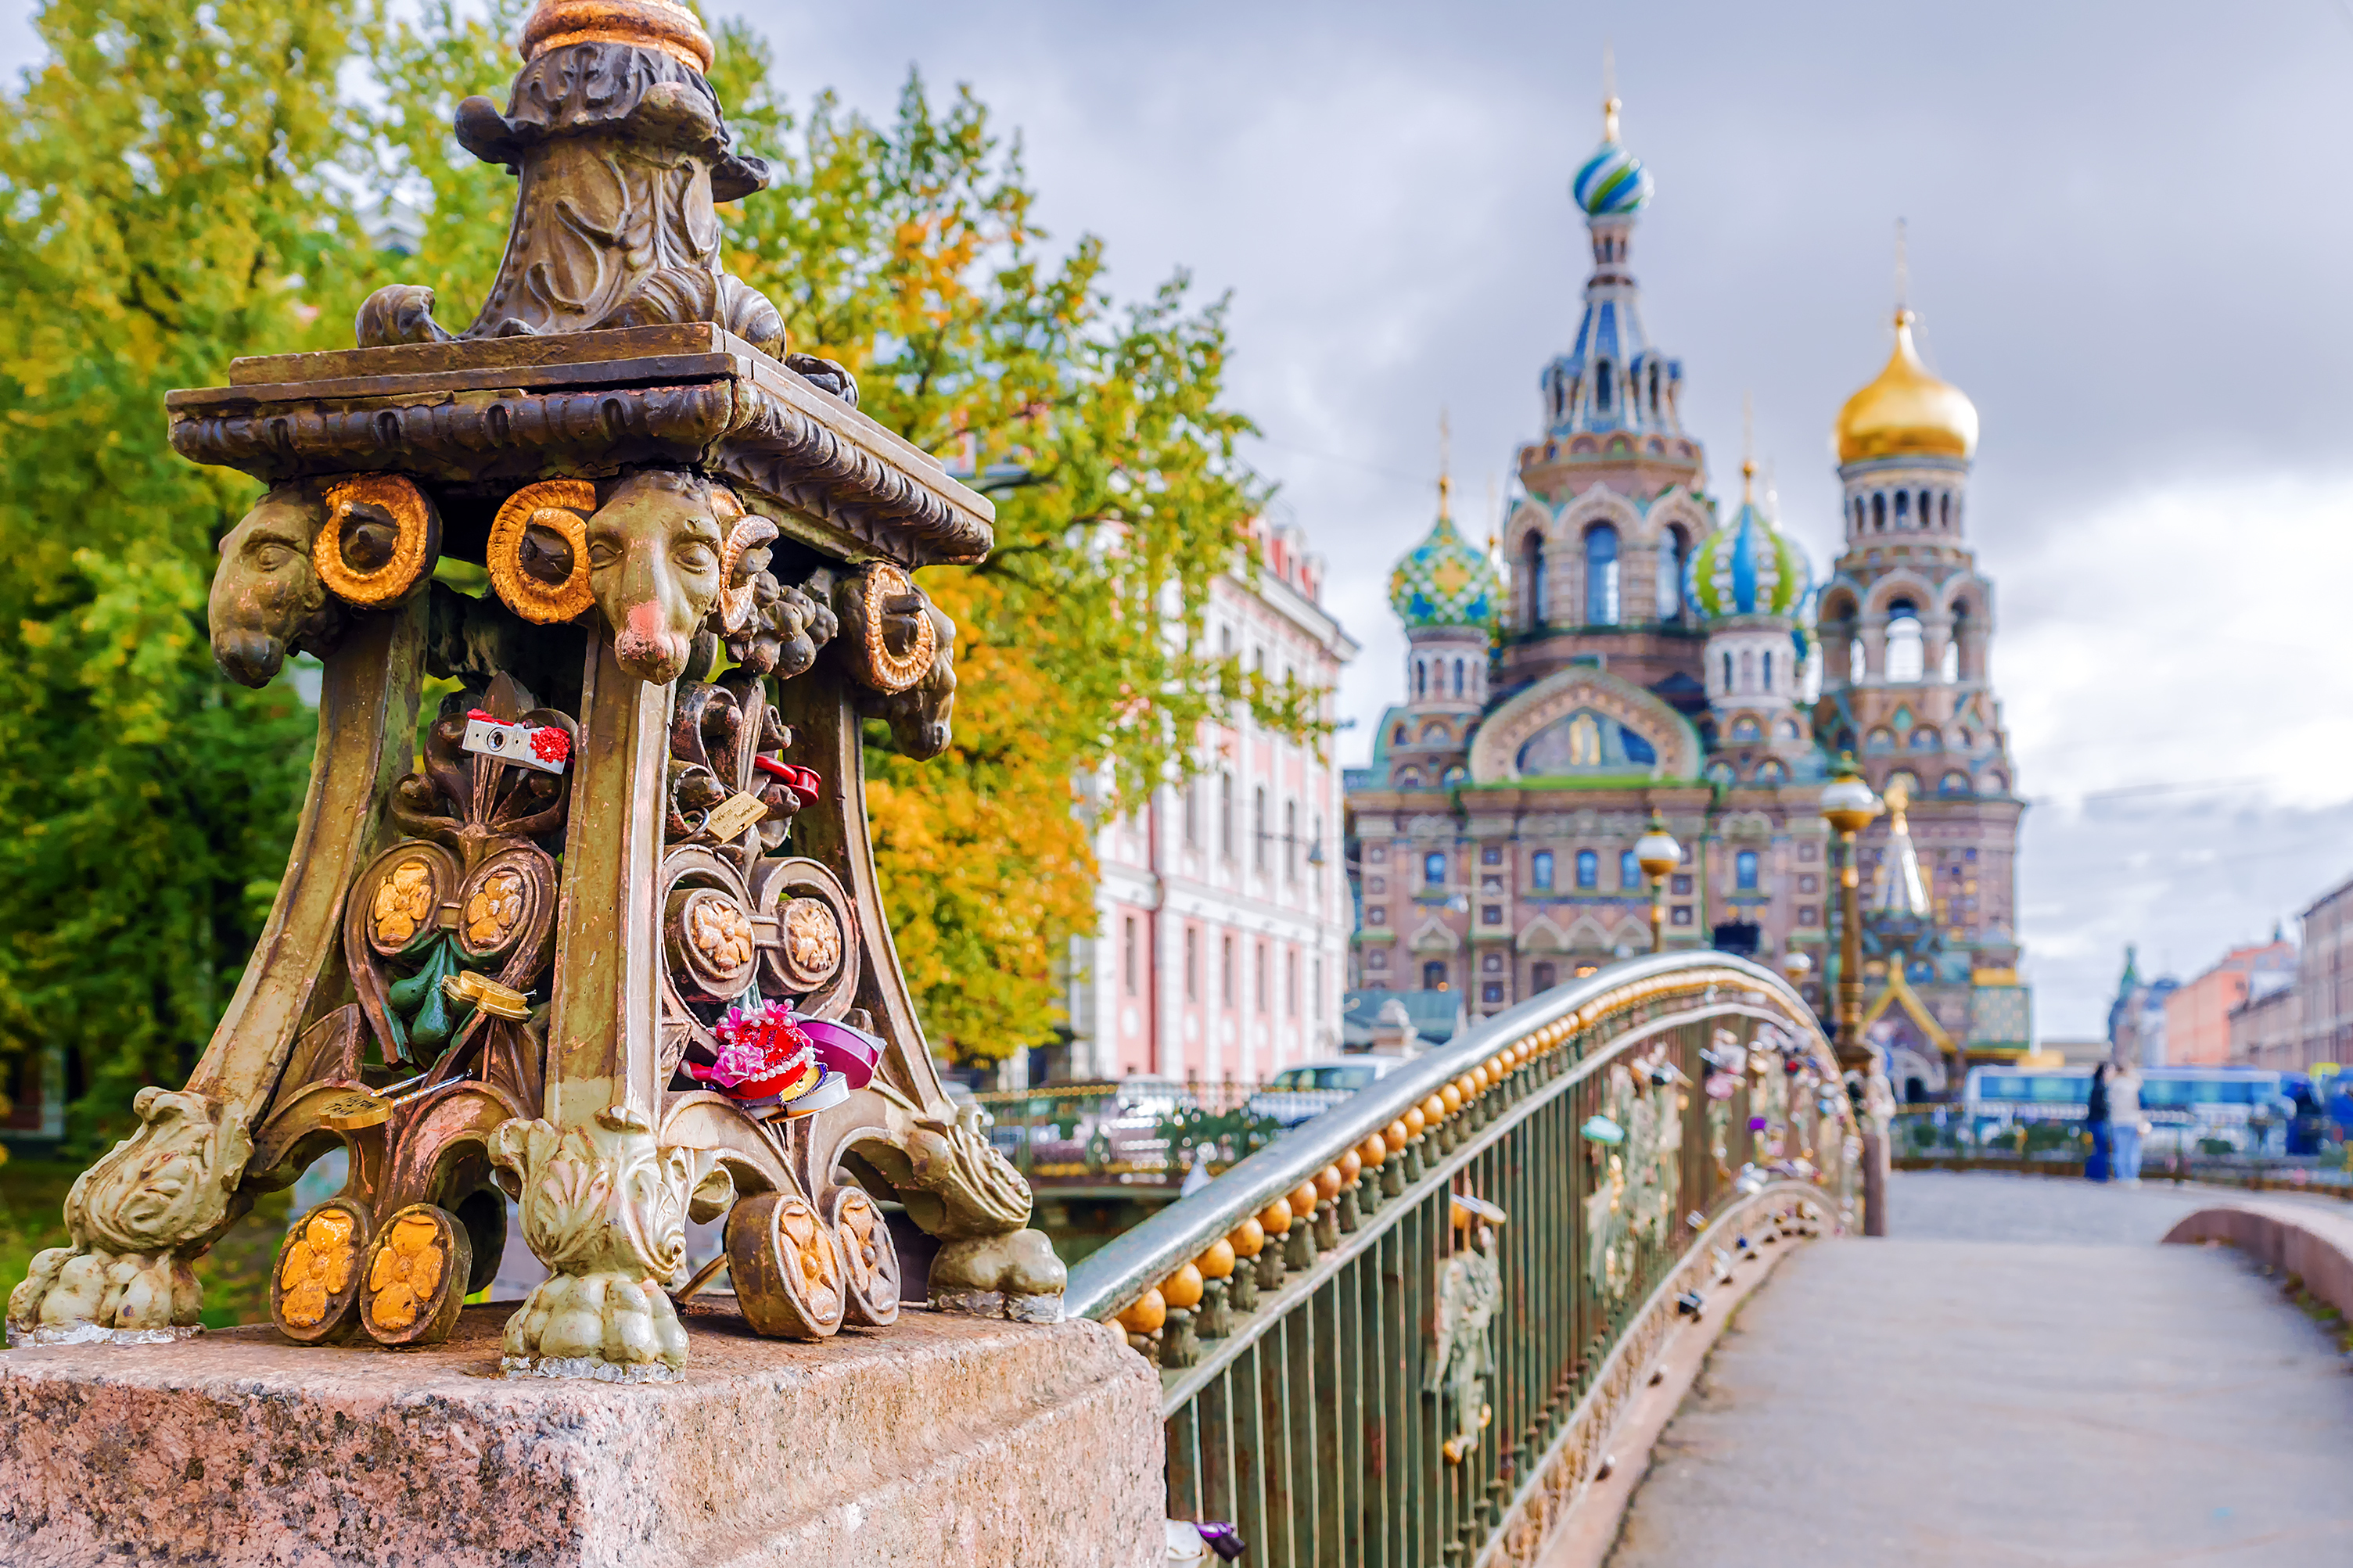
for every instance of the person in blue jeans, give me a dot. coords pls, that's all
(2095, 1116)
(2124, 1114)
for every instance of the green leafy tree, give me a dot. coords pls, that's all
(160, 209)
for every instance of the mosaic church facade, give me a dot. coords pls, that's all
(1633, 644)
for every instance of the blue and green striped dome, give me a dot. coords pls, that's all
(1444, 580)
(1748, 568)
(1612, 182)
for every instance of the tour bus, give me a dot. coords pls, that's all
(2181, 1104)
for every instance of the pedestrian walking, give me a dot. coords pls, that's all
(2124, 1114)
(2097, 1117)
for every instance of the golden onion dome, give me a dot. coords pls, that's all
(1906, 412)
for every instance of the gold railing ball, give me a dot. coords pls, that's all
(1182, 1290)
(1328, 1182)
(1218, 1262)
(1351, 1166)
(1374, 1152)
(1146, 1315)
(1480, 1079)
(1302, 1200)
(1433, 1109)
(1415, 1123)
(1450, 1102)
(1247, 1239)
(1275, 1219)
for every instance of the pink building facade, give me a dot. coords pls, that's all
(2198, 1014)
(1221, 948)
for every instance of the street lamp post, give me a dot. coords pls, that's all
(1657, 853)
(1848, 805)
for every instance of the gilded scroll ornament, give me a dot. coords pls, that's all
(494, 909)
(538, 552)
(869, 1258)
(786, 1266)
(404, 904)
(317, 1275)
(415, 1276)
(811, 952)
(379, 540)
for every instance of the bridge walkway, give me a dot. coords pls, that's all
(2020, 1375)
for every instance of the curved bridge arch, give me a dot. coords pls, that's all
(1425, 1363)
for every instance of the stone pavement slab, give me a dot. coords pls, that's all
(1989, 1403)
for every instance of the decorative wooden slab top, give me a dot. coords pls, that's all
(472, 419)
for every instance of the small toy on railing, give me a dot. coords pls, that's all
(544, 747)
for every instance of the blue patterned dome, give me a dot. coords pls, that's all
(1613, 181)
(1748, 568)
(1444, 580)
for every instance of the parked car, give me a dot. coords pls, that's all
(1299, 1093)
(1125, 1126)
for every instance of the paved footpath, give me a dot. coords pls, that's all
(2020, 1375)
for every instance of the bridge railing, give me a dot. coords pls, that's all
(1398, 1335)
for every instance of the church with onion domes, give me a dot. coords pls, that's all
(1633, 643)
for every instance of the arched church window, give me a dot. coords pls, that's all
(1601, 575)
(1744, 871)
(1996, 783)
(1749, 669)
(1925, 739)
(1458, 677)
(1859, 519)
(1769, 669)
(1746, 729)
(1953, 784)
(1727, 669)
(1397, 736)
(1588, 870)
(1945, 511)
(1789, 729)
(1721, 773)
(1408, 778)
(1879, 510)
(1879, 741)
(1770, 771)
(1655, 389)
(1630, 870)
(1601, 387)
(1924, 513)
(1670, 573)
(1906, 649)
(1855, 667)
(1535, 607)
(1540, 870)
(1902, 507)
(1949, 666)
(1433, 868)
(1435, 734)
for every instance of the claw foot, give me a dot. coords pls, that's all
(74, 1298)
(1015, 1275)
(611, 1326)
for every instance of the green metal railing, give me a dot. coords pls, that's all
(1391, 1376)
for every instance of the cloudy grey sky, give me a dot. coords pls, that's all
(2129, 227)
